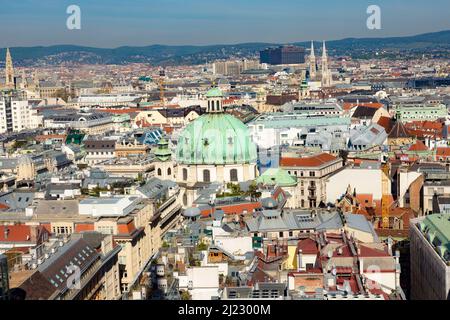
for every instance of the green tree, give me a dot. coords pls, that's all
(235, 189)
(253, 191)
(185, 295)
(165, 244)
(202, 246)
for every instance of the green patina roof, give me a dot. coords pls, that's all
(438, 226)
(214, 93)
(162, 152)
(120, 117)
(163, 142)
(277, 176)
(216, 139)
(145, 78)
(75, 138)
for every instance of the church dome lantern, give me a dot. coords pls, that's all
(215, 99)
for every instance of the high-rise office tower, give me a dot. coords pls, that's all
(283, 55)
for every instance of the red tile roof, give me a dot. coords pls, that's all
(386, 123)
(126, 228)
(372, 252)
(308, 246)
(229, 101)
(15, 233)
(425, 125)
(346, 252)
(314, 161)
(234, 208)
(340, 270)
(443, 152)
(418, 146)
(84, 227)
(366, 200)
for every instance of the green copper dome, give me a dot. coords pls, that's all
(277, 176)
(162, 151)
(214, 93)
(216, 139)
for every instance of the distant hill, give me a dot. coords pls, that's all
(169, 55)
(425, 40)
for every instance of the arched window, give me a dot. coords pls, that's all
(233, 175)
(185, 174)
(217, 105)
(206, 176)
(185, 199)
(159, 172)
(303, 203)
(169, 171)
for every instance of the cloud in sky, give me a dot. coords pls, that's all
(112, 23)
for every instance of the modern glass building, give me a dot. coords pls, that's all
(283, 55)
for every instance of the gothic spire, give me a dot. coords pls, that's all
(9, 70)
(312, 63)
(326, 74)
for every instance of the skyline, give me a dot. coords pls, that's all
(226, 151)
(174, 22)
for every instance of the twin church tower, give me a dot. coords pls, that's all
(325, 72)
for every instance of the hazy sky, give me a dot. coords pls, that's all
(113, 23)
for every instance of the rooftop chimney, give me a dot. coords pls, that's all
(299, 259)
